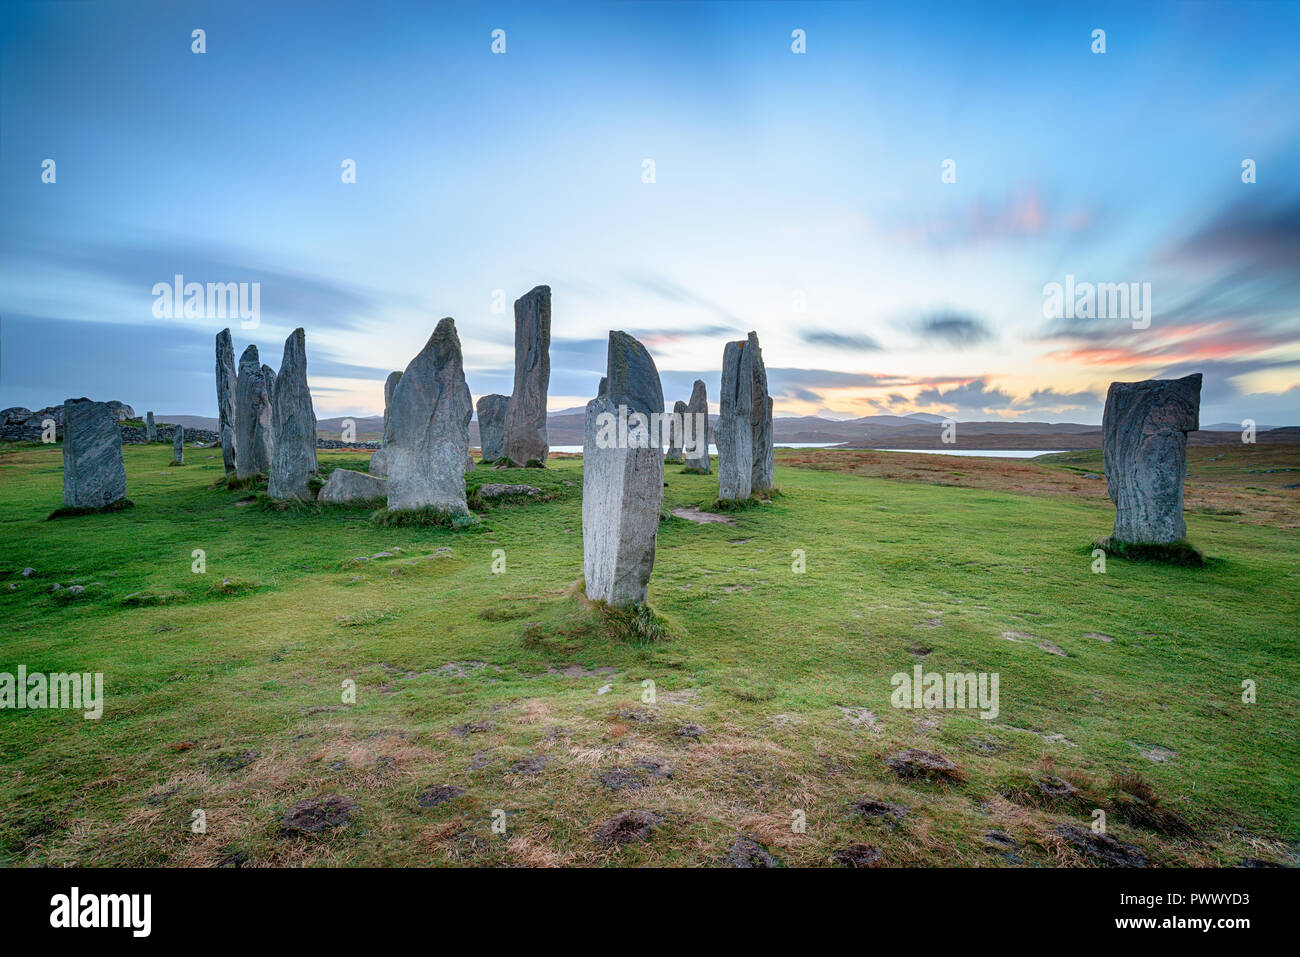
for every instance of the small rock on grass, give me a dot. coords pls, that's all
(924, 765)
(880, 810)
(1101, 847)
(315, 815)
(747, 852)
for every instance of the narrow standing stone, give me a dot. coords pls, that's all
(492, 426)
(622, 477)
(178, 445)
(94, 475)
(293, 453)
(697, 458)
(226, 377)
(428, 435)
(735, 433)
(763, 475)
(150, 428)
(675, 424)
(379, 461)
(525, 438)
(1144, 429)
(253, 432)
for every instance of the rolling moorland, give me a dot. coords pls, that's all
(481, 692)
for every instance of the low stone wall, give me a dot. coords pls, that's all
(135, 435)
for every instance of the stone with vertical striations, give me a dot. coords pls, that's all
(293, 453)
(253, 432)
(763, 473)
(94, 475)
(735, 435)
(379, 461)
(1144, 435)
(226, 378)
(697, 456)
(428, 434)
(150, 428)
(674, 453)
(178, 445)
(492, 426)
(622, 487)
(525, 430)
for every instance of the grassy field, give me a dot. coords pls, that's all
(485, 696)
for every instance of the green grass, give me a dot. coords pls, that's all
(462, 673)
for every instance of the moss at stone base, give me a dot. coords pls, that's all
(1171, 553)
(68, 511)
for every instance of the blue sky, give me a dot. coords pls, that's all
(799, 195)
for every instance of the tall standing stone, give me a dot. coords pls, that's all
(622, 477)
(763, 473)
(735, 433)
(293, 452)
(150, 428)
(226, 398)
(697, 458)
(94, 475)
(379, 461)
(428, 433)
(675, 424)
(253, 431)
(525, 438)
(492, 425)
(1144, 429)
(178, 445)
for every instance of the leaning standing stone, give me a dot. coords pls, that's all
(735, 433)
(226, 398)
(622, 477)
(1144, 431)
(150, 428)
(379, 461)
(178, 445)
(525, 438)
(492, 426)
(674, 453)
(94, 475)
(697, 456)
(428, 440)
(253, 430)
(763, 474)
(293, 453)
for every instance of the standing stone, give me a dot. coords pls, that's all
(253, 431)
(735, 434)
(150, 428)
(379, 461)
(428, 429)
(226, 398)
(675, 423)
(525, 438)
(178, 445)
(94, 475)
(622, 480)
(492, 426)
(293, 452)
(763, 474)
(697, 459)
(1144, 431)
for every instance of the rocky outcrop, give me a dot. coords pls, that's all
(293, 452)
(623, 477)
(94, 475)
(427, 440)
(525, 428)
(1144, 434)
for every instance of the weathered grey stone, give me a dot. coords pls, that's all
(226, 377)
(763, 473)
(178, 445)
(428, 434)
(697, 458)
(293, 453)
(497, 490)
(525, 438)
(94, 475)
(674, 453)
(254, 436)
(1144, 429)
(345, 485)
(623, 477)
(150, 428)
(735, 435)
(379, 461)
(492, 426)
